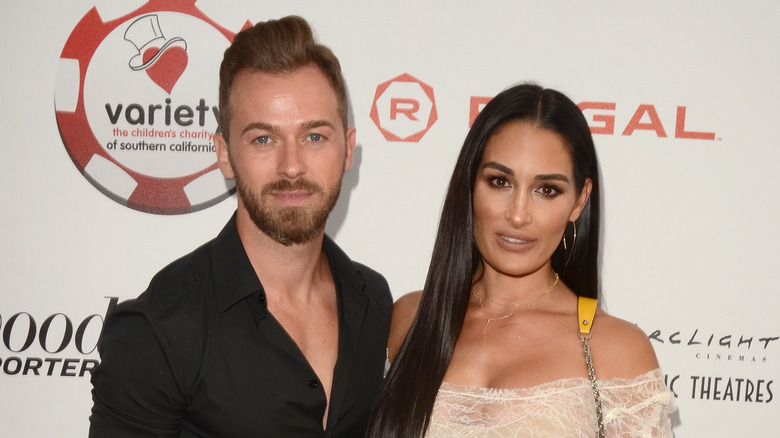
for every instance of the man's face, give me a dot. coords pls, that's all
(288, 151)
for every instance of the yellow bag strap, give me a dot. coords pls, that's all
(586, 311)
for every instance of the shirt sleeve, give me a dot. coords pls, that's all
(640, 409)
(134, 393)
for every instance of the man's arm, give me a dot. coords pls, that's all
(134, 393)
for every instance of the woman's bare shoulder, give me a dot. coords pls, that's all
(404, 310)
(620, 348)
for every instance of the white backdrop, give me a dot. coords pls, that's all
(691, 239)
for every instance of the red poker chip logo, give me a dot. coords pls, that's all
(136, 103)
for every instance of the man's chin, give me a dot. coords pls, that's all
(290, 226)
(293, 237)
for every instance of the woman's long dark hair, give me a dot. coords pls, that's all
(404, 406)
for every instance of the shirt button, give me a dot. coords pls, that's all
(261, 298)
(313, 383)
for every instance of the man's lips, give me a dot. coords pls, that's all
(291, 195)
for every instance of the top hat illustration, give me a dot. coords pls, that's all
(145, 33)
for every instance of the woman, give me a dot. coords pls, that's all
(490, 347)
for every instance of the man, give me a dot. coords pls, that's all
(269, 330)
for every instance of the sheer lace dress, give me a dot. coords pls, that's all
(637, 407)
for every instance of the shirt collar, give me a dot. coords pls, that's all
(235, 278)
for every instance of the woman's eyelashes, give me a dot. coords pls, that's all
(546, 190)
(498, 181)
(549, 190)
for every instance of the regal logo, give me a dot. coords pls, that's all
(136, 106)
(602, 117)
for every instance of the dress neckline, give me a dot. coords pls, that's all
(562, 383)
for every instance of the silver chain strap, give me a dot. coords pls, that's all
(596, 394)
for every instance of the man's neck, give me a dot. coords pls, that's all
(291, 270)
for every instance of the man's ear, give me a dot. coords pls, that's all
(223, 156)
(350, 140)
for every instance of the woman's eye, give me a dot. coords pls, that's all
(498, 182)
(548, 191)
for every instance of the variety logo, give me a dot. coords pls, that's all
(136, 106)
(404, 108)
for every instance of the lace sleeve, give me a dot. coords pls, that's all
(638, 407)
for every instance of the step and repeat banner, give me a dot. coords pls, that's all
(109, 171)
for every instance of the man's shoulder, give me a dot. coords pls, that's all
(375, 282)
(186, 270)
(376, 286)
(177, 288)
(369, 273)
(166, 325)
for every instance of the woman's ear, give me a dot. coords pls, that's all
(582, 200)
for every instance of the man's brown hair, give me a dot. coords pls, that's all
(276, 47)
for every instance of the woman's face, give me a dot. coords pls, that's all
(524, 196)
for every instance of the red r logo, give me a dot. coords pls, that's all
(404, 108)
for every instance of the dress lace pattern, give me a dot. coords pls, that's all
(636, 407)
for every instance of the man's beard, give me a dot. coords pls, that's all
(289, 225)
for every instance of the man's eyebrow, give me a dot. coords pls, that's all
(499, 167)
(317, 124)
(261, 126)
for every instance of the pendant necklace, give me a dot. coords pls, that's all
(517, 306)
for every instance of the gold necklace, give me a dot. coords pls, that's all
(516, 305)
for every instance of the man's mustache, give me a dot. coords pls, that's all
(285, 185)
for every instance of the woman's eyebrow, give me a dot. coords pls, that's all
(552, 177)
(499, 167)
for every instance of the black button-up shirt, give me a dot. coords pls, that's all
(198, 355)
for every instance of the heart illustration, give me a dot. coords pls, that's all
(168, 68)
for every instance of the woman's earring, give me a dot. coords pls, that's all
(573, 241)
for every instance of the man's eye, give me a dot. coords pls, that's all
(315, 137)
(263, 139)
